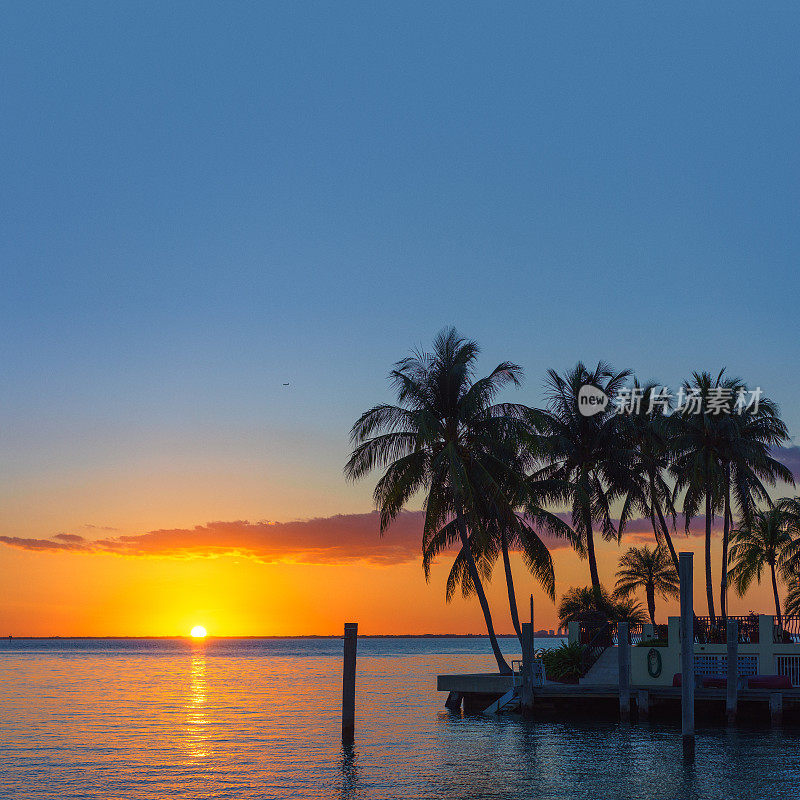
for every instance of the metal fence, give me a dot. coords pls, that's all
(596, 637)
(707, 631)
(599, 636)
(606, 633)
(788, 633)
(635, 632)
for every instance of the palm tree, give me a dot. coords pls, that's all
(648, 569)
(697, 465)
(790, 506)
(445, 437)
(579, 603)
(792, 603)
(790, 560)
(629, 610)
(755, 545)
(519, 530)
(748, 434)
(724, 457)
(651, 431)
(586, 458)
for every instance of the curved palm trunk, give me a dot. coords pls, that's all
(476, 580)
(664, 528)
(593, 573)
(777, 598)
(723, 590)
(512, 597)
(709, 582)
(670, 545)
(650, 592)
(656, 528)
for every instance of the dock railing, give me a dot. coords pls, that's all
(598, 636)
(708, 632)
(538, 671)
(763, 648)
(788, 632)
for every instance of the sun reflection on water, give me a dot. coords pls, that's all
(197, 716)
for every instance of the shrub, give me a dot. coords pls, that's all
(563, 663)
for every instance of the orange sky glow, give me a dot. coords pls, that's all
(296, 578)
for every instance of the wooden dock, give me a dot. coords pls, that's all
(478, 690)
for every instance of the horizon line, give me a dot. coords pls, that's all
(542, 631)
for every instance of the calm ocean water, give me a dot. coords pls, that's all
(158, 719)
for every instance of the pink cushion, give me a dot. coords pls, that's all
(769, 682)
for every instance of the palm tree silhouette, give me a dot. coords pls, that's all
(648, 569)
(650, 429)
(587, 459)
(791, 604)
(759, 544)
(748, 436)
(582, 602)
(499, 533)
(790, 558)
(445, 437)
(697, 465)
(722, 455)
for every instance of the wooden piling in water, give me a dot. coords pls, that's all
(349, 681)
(732, 695)
(776, 708)
(526, 697)
(624, 650)
(685, 571)
(643, 705)
(531, 611)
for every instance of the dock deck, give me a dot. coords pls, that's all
(480, 689)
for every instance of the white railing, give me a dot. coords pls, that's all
(538, 672)
(716, 666)
(789, 666)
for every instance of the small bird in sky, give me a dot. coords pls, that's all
(285, 384)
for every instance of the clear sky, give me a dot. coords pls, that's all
(200, 202)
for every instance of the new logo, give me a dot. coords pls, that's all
(591, 400)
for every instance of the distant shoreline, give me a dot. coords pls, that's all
(537, 634)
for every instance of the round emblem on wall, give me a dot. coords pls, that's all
(653, 663)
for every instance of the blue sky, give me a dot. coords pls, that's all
(200, 202)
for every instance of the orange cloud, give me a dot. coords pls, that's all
(344, 538)
(640, 530)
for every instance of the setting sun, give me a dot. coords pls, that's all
(198, 632)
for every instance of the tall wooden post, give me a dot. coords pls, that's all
(624, 651)
(776, 708)
(349, 681)
(527, 667)
(643, 705)
(686, 574)
(732, 695)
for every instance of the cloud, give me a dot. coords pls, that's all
(43, 545)
(337, 539)
(640, 531)
(790, 457)
(344, 538)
